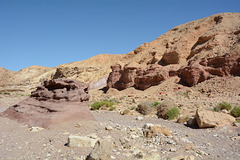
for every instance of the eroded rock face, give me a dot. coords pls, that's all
(201, 70)
(196, 71)
(56, 101)
(140, 78)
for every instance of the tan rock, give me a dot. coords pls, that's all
(206, 118)
(81, 141)
(156, 129)
(102, 150)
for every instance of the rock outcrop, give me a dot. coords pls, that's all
(56, 101)
(201, 70)
(208, 119)
(140, 78)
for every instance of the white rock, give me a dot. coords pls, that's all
(35, 129)
(173, 149)
(81, 141)
(139, 118)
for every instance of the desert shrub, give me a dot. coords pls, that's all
(172, 113)
(217, 109)
(6, 93)
(145, 107)
(132, 108)
(154, 104)
(98, 105)
(236, 111)
(164, 107)
(223, 105)
(112, 108)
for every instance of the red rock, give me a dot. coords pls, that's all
(140, 78)
(201, 70)
(56, 101)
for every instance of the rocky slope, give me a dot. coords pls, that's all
(209, 37)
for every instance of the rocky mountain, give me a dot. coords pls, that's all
(206, 38)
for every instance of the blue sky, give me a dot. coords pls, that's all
(53, 32)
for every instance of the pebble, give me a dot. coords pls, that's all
(173, 149)
(109, 128)
(139, 118)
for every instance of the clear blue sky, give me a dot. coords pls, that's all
(53, 32)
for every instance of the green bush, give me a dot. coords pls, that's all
(112, 108)
(223, 105)
(132, 108)
(164, 107)
(236, 111)
(154, 104)
(217, 109)
(98, 105)
(172, 113)
(6, 93)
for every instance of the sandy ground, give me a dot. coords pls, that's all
(17, 142)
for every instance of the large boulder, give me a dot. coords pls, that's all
(56, 101)
(207, 119)
(102, 150)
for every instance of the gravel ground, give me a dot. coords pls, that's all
(18, 142)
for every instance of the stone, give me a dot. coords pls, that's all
(35, 129)
(236, 124)
(181, 120)
(102, 150)
(151, 131)
(173, 149)
(206, 119)
(109, 128)
(126, 112)
(81, 141)
(192, 122)
(56, 101)
(139, 118)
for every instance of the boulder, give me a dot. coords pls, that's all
(102, 150)
(206, 119)
(81, 141)
(55, 101)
